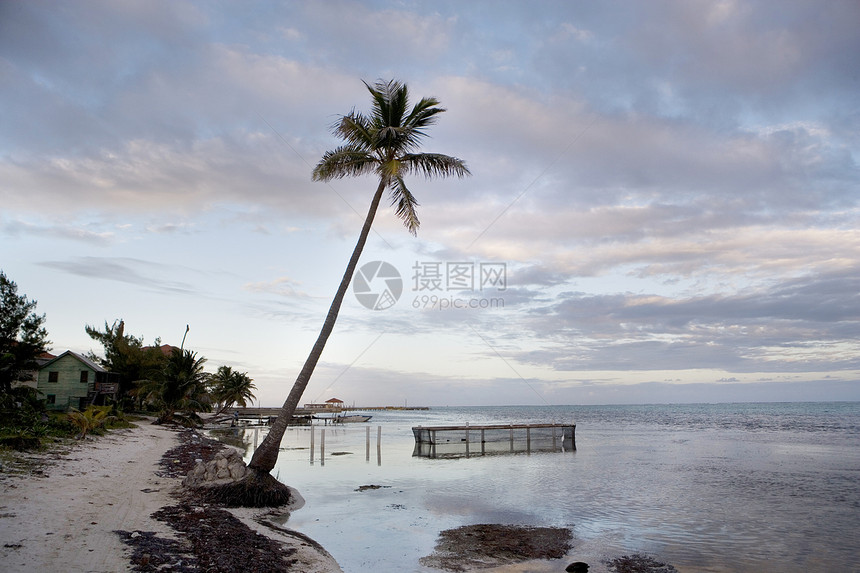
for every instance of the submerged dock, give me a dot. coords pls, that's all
(468, 440)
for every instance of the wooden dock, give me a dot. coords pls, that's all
(304, 416)
(267, 412)
(459, 441)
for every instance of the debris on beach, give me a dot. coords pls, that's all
(152, 553)
(638, 564)
(192, 449)
(492, 545)
(212, 540)
(217, 474)
(370, 487)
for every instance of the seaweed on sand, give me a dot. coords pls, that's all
(213, 540)
(256, 489)
(638, 564)
(490, 545)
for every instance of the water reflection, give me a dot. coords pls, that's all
(465, 450)
(236, 437)
(337, 437)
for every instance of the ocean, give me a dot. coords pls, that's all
(704, 487)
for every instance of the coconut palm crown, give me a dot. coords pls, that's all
(231, 387)
(384, 143)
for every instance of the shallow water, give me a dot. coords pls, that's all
(728, 487)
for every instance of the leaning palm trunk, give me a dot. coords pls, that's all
(383, 143)
(266, 454)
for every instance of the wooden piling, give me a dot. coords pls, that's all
(379, 445)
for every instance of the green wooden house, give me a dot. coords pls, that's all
(73, 381)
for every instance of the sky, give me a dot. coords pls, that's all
(662, 207)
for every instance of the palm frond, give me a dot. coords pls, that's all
(389, 139)
(345, 161)
(433, 165)
(391, 133)
(398, 103)
(355, 129)
(423, 113)
(404, 204)
(385, 101)
(377, 93)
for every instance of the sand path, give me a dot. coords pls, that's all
(65, 520)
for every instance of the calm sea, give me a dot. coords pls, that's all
(706, 488)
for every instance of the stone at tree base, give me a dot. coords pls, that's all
(227, 466)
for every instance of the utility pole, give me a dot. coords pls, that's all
(182, 346)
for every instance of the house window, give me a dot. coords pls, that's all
(51, 399)
(85, 376)
(53, 376)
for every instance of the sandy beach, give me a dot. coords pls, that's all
(63, 514)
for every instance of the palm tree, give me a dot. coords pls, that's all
(231, 387)
(385, 144)
(180, 386)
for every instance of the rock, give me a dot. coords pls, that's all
(577, 567)
(237, 470)
(226, 466)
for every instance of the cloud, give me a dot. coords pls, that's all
(137, 272)
(805, 324)
(16, 228)
(369, 34)
(670, 187)
(283, 286)
(713, 60)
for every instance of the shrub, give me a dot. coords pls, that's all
(93, 418)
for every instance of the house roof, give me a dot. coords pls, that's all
(333, 401)
(166, 349)
(86, 361)
(44, 358)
